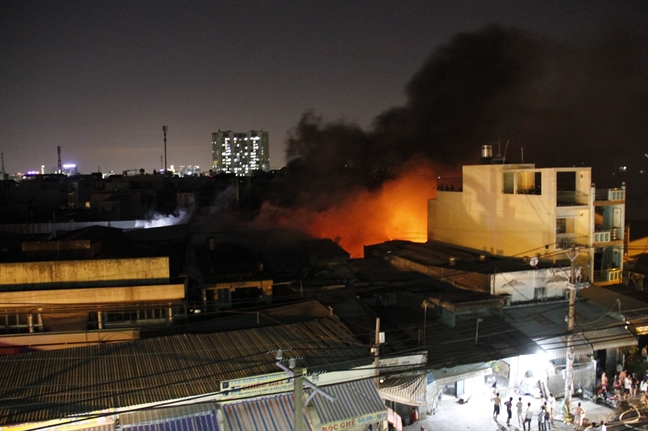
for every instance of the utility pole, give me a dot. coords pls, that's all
(569, 369)
(297, 373)
(299, 398)
(376, 351)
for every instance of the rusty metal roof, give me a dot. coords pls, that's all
(46, 385)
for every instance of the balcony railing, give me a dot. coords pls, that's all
(608, 276)
(609, 195)
(570, 198)
(607, 235)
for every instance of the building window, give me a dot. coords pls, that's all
(509, 183)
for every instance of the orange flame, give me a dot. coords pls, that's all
(397, 211)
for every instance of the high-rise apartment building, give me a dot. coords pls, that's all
(240, 153)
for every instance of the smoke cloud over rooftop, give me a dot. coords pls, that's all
(546, 102)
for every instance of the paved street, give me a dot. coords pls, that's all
(477, 415)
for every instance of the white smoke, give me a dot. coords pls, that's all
(180, 216)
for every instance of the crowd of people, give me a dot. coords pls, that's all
(525, 415)
(626, 385)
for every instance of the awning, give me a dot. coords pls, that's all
(358, 400)
(190, 417)
(556, 347)
(610, 338)
(264, 414)
(409, 391)
(443, 376)
(394, 419)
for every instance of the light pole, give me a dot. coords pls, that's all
(477, 329)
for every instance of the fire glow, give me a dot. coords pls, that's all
(398, 210)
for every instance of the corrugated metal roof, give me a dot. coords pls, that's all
(556, 347)
(610, 338)
(352, 399)
(54, 384)
(595, 328)
(158, 415)
(265, 414)
(191, 417)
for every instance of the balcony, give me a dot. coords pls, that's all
(608, 276)
(604, 195)
(609, 235)
(570, 198)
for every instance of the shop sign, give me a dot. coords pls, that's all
(65, 424)
(350, 423)
(257, 385)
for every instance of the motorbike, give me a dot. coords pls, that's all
(602, 396)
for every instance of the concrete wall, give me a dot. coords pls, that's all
(84, 271)
(483, 217)
(10, 344)
(638, 246)
(521, 285)
(102, 295)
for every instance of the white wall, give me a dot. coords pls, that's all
(521, 285)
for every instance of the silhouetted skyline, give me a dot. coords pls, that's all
(100, 79)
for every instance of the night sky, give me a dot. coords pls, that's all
(101, 78)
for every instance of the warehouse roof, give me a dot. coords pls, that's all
(54, 384)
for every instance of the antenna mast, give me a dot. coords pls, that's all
(59, 167)
(164, 129)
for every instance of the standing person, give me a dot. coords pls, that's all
(509, 410)
(551, 401)
(497, 402)
(578, 417)
(520, 415)
(633, 386)
(604, 381)
(627, 386)
(547, 418)
(541, 419)
(528, 416)
(617, 386)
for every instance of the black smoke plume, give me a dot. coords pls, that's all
(553, 104)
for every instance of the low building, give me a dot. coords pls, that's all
(85, 287)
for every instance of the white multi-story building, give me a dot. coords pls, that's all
(520, 210)
(240, 153)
